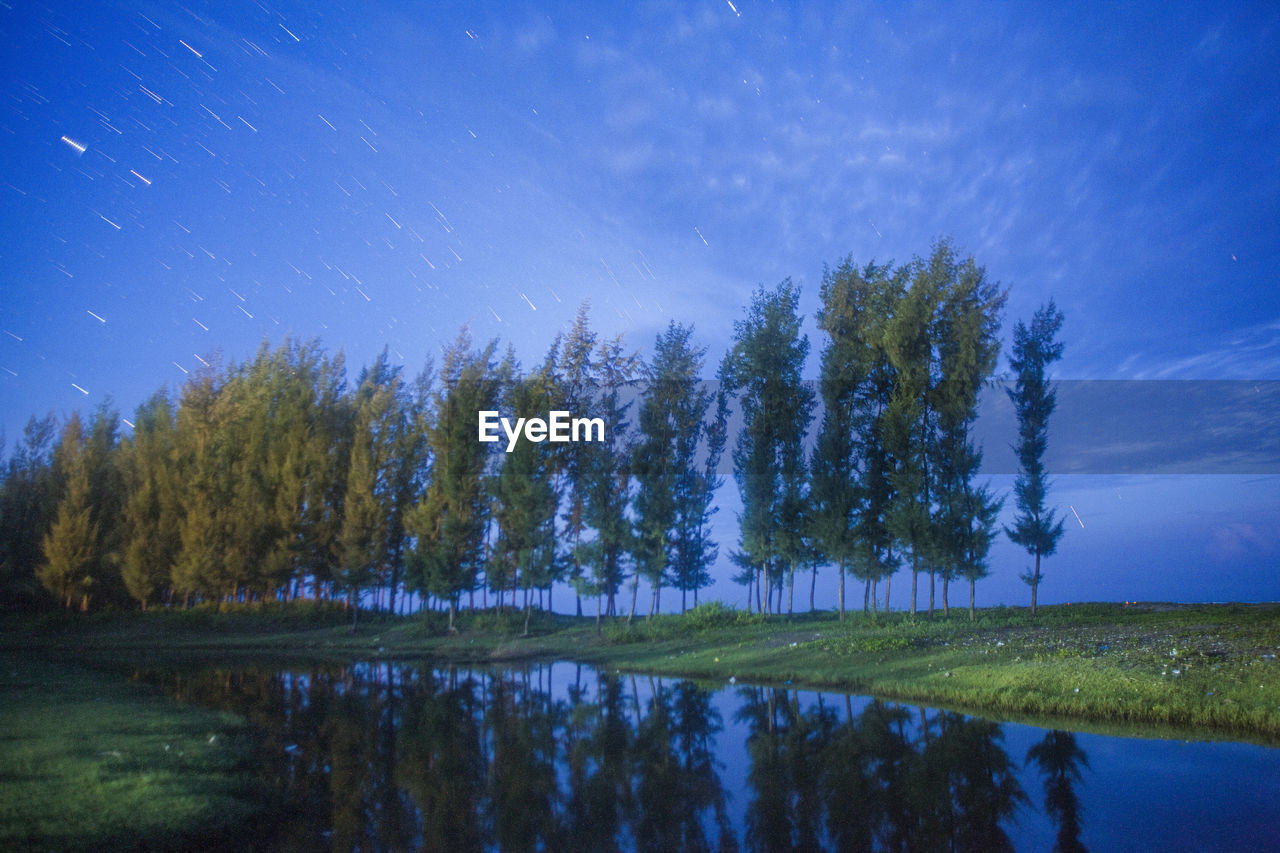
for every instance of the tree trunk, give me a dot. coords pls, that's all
(944, 592)
(813, 586)
(528, 611)
(971, 582)
(635, 590)
(840, 595)
(915, 574)
(791, 589)
(946, 604)
(1035, 584)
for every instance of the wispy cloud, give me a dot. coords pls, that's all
(1251, 352)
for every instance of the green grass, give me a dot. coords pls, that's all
(92, 761)
(1205, 670)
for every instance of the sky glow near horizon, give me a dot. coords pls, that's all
(181, 182)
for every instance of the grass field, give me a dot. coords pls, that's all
(1208, 670)
(92, 762)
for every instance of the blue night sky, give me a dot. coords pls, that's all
(180, 181)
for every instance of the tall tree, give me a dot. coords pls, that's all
(577, 377)
(852, 463)
(203, 468)
(526, 498)
(672, 490)
(370, 500)
(763, 368)
(71, 545)
(152, 512)
(28, 506)
(106, 497)
(449, 521)
(851, 487)
(912, 416)
(967, 327)
(694, 552)
(309, 454)
(1036, 528)
(607, 481)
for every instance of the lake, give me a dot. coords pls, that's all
(560, 756)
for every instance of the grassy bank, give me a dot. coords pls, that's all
(90, 762)
(1210, 670)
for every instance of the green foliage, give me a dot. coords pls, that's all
(1036, 528)
(852, 490)
(152, 511)
(606, 481)
(71, 546)
(449, 522)
(382, 478)
(763, 369)
(524, 491)
(29, 491)
(711, 614)
(274, 478)
(673, 497)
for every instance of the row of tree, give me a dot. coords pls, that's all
(891, 480)
(276, 478)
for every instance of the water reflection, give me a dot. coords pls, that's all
(1060, 760)
(562, 757)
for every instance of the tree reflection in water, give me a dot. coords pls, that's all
(384, 756)
(1060, 760)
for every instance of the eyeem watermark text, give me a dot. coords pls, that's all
(558, 427)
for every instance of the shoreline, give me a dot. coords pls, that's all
(1201, 671)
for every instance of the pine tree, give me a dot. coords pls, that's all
(967, 326)
(449, 521)
(694, 551)
(525, 496)
(106, 498)
(909, 342)
(578, 369)
(71, 545)
(203, 466)
(607, 481)
(152, 512)
(1036, 528)
(28, 506)
(672, 491)
(764, 369)
(367, 504)
(308, 457)
(845, 368)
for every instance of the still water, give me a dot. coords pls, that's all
(396, 756)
